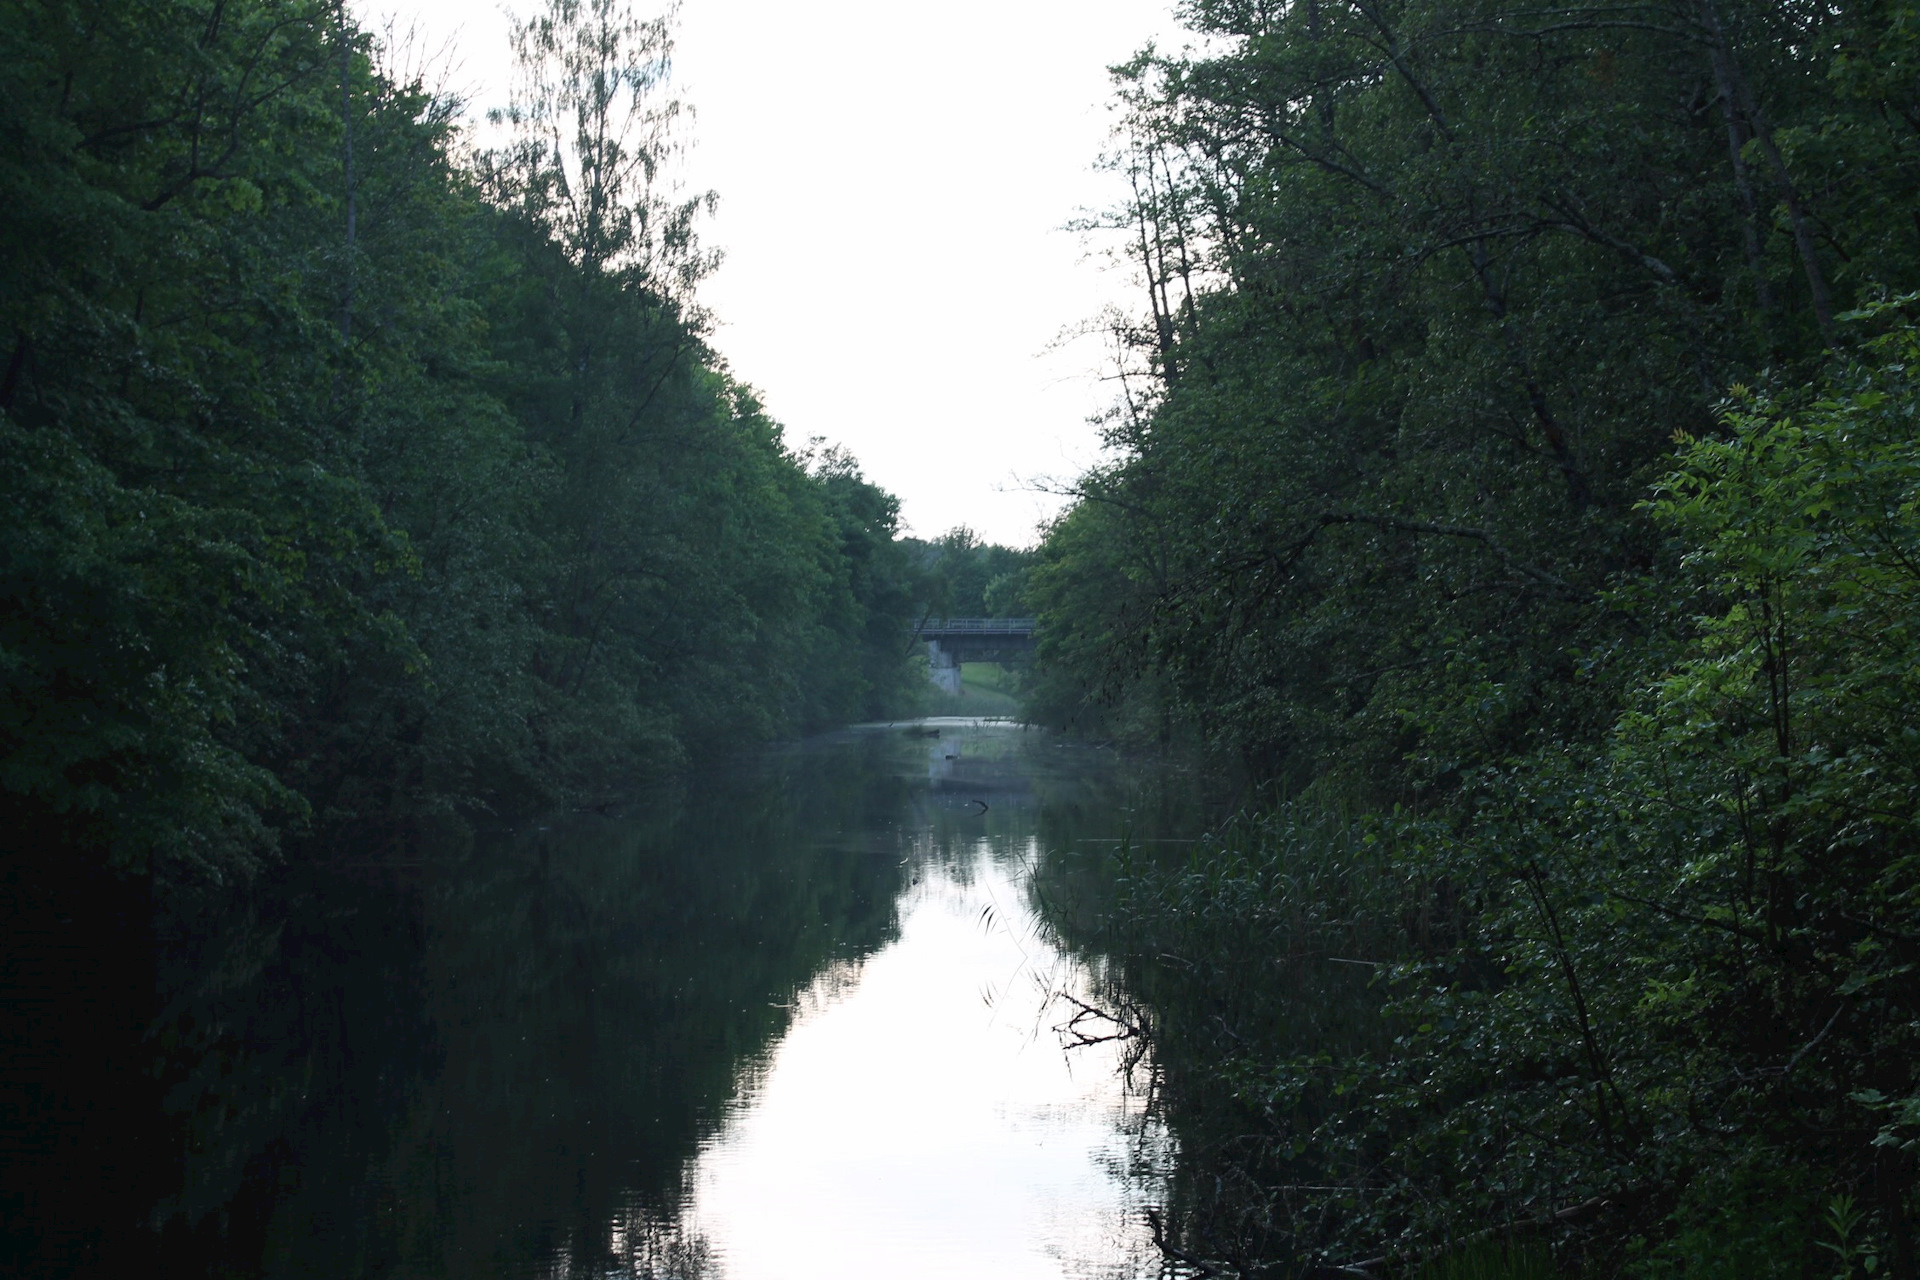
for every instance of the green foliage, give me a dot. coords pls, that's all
(1431, 288)
(1653, 997)
(1488, 1262)
(1853, 1255)
(964, 577)
(1093, 640)
(1423, 494)
(349, 485)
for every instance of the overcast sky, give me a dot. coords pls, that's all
(894, 179)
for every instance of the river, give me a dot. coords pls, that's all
(794, 1018)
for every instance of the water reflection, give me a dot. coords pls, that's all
(923, 1121)
(787, 1020)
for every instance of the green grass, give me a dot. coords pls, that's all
(986, 689)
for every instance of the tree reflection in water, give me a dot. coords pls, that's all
(503, 1061)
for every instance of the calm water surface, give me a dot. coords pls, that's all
(794, 1019)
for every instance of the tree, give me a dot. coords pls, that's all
(352, 485)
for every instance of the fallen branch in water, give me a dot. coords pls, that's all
(1133, 1030)
(1138, 1029)
(1174, 1251)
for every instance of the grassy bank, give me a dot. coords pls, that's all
(986, 689)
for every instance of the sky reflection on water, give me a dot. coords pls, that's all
(924, 1120)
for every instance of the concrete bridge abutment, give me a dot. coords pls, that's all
(952, 641)
(943, 664)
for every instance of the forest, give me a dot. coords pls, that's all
(1516, 474)
(356, 476)
(1514, 480)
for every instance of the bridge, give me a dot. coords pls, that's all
(952, 641)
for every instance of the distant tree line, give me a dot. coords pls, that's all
(1519, 460)
(350, 476)
(967, 578)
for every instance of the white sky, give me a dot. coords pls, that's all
(894, 178)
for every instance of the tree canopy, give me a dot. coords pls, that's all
(1513, 474)
(353, 476)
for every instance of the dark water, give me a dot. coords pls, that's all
(793, 1019)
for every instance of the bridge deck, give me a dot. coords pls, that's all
(974, 628)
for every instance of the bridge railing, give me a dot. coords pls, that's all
(976, 626)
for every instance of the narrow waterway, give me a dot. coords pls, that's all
(797, 1018)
